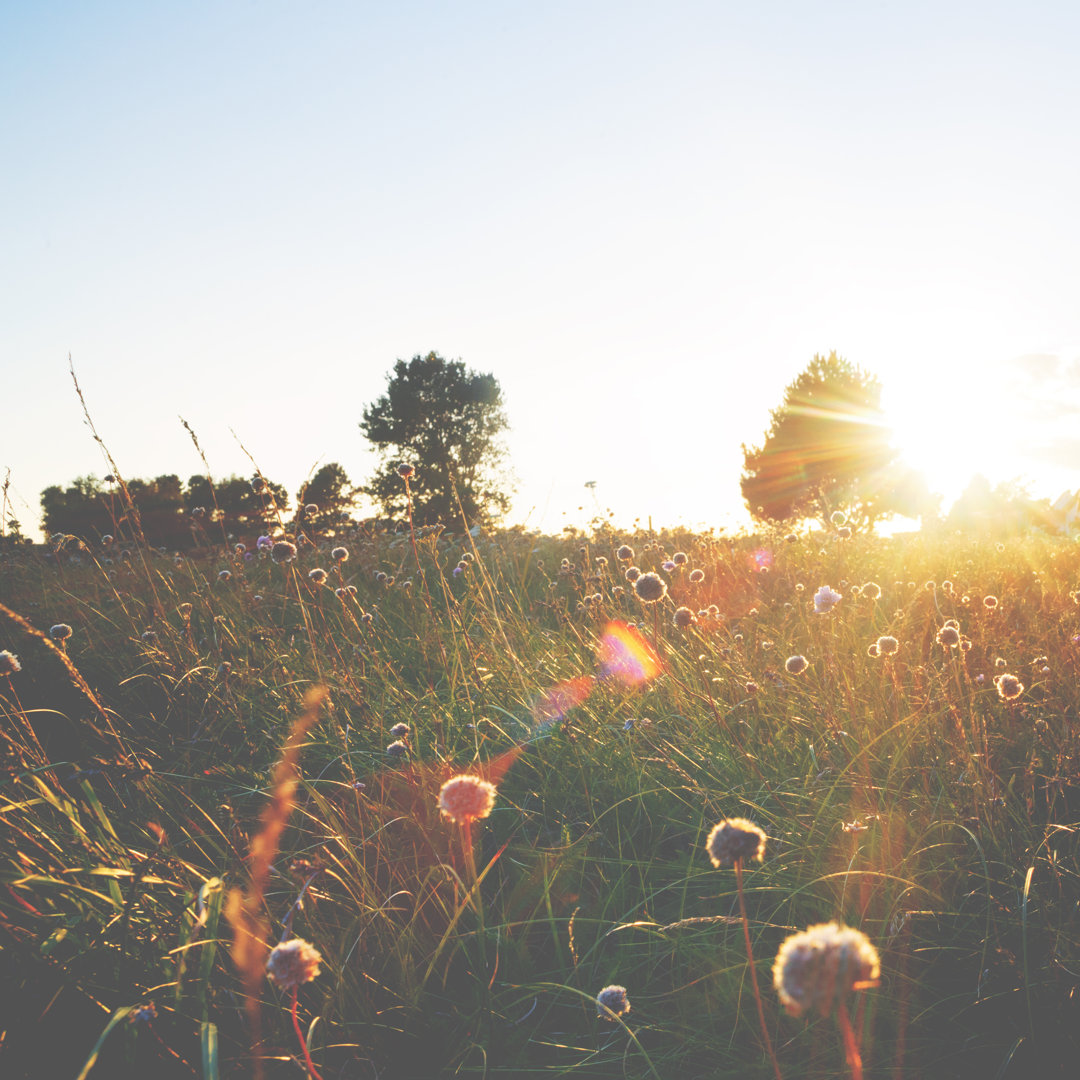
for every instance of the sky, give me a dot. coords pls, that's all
(643, 219)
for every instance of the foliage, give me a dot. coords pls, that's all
(238, 506)
(445, 421)
(827, 447)
(332, 493)
(901, 795)
(1005, 509)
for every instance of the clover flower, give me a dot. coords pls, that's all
(735, 839)
(464, 799)
(816, 968)
(293, 963)
(612, 999)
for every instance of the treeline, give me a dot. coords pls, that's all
(169, 513)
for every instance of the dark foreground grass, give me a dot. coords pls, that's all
(900, 794)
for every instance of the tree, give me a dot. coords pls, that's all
(243, 506)
(827, 446)
(331, 490)
(444, 420)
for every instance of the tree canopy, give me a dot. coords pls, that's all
(444, 420)
(828, 446)
(331, 492)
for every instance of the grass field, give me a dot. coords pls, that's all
(158, 840)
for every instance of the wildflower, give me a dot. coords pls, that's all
(316, 576)
(667, 566)
(872, 590)
(873, 650)
(464, 799)
(844, 532)
(283, 552)
(838, 518)
(631, 574)
(399, 731)
(796, 665)
(990, 602)
(819, 966)
(697, 576)
(405, 471)
(999, 662)
(684, 617)
(679, 558)
(224, 575)
(980, 678)
(1009, 687)
(60, 632)
(612, 999)
(9, 663)
(735, 839)
(948, 636)
(752, 687)
(825, 599)
(150, 637)
(341, 593)
(887, 645)
(224, 668)
(397, 749)
(292, 963)
(650, 588)
(625, 553)
(311, 508)
(198, 512)
(339, 554)
(263, 543)
(143, 1014)
(855, 827)
(185, 611)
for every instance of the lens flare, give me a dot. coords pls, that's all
(626, 656)
(761, 559)
(554, 704)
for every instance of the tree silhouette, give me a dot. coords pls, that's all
(331, 491)
(828, 446)
(444, 420)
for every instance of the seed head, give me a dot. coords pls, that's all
(887, 645)
(990, 602)
(405, 471)
(399, 731)
(293, 963)
(872, 590)
(825, 599)
(397, 749)
(1009, 687)
(679, 558)
(796, 665)
(339, 554)
(684, 617)
(316, 576)
(948, 636)
(9, 663)
(632, 574)
(464, 799)
(650, 588)
(625, 553)
(822, 964)
(60, 632)
(224, 575)
(697, 576)
(735, 839)
(612, 999)
(283, 552)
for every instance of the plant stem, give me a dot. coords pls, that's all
(851, 1047)
(312, 1071)
(753, 970)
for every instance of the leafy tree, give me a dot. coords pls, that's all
(444, 420)
(331, 490)
(241, 506)
(827, 446)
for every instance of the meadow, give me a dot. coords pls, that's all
(212, 762)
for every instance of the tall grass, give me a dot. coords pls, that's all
(900, 795)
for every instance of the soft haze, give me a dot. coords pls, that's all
(644, 222)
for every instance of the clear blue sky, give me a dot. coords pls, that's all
(644, 219)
